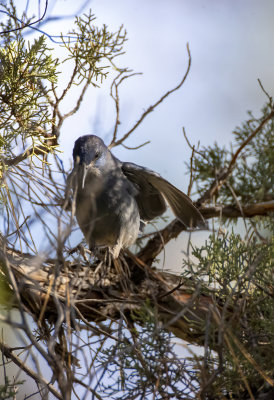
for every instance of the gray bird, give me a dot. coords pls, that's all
(112, 197)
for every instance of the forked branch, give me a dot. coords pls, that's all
(153, 106)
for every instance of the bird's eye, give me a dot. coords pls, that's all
(96, 155)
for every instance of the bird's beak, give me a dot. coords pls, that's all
(85, 169)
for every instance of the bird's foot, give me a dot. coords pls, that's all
(82, 250)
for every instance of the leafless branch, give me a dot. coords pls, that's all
(78, 103)
(114, 94)
(267, 94)
(152, 107)
(193, 151)
(136, 147)
(8, 353)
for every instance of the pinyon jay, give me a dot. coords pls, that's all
(112, 197)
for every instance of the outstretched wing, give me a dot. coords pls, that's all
(153, 189)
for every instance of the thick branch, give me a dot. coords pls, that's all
(98, 295)
(158, 241)
(233, 211)
(156, 244)
(161, 288)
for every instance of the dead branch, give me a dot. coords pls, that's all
(152, 107)
(114, 94)
(8, 353)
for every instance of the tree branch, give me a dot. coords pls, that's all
(233, 211)
(23, 26)
(38, 151)
(151, 108)
(100, 297)
(225, 173)
(8, 353)
(156, 244)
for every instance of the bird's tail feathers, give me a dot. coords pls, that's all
(180, 204)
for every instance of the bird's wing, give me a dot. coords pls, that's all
(152, 191)
(150, 201)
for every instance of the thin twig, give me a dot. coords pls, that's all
(136, 147)
(225, 173)
(265, 92)
(151, 108)
(23, 26)
(7, 351)
(116, 99)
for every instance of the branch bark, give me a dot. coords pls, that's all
(8, 353)
(233, 211)
(98, 292)
(158, 241)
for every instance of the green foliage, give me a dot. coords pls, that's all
(93, 49)
(236, 273)
(29, 98)
(25, 71)
(145, 364)
(224, 261)
(252, 179)
(31, 95)
(207, 164)
(241, 275)
(9, 390)
(6, 294)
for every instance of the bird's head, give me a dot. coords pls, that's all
(90, 155)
